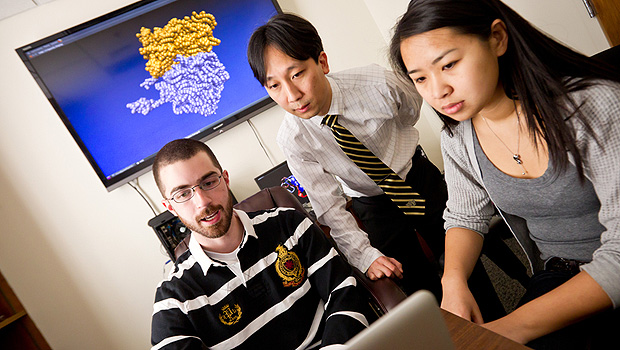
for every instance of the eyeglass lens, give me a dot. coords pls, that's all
(207, 184)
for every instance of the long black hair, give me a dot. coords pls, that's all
(537, 70)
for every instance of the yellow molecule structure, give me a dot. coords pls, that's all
(188, 37)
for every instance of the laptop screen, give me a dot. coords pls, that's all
(414, 324)
(281, 175)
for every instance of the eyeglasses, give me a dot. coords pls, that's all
(186, 194)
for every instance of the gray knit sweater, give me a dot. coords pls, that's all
(470, 206)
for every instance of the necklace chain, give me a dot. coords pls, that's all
(515, 156)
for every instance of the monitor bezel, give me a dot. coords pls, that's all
(145, 165)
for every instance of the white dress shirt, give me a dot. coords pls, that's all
(380, 110)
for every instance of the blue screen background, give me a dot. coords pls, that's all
(94, 78)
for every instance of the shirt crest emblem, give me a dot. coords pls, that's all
(230, 314)
(288, 266)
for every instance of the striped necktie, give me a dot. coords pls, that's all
(410, 202)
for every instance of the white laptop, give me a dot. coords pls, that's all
(414, 324)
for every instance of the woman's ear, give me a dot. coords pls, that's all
(499, 37)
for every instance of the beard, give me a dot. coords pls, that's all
(212, 231)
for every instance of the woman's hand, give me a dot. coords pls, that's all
(463, 248)
(457, 299)
(507, 327)
(575, 300)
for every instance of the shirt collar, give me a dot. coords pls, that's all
(203, 259)
(336, 106)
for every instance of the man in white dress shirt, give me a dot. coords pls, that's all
(287, 57)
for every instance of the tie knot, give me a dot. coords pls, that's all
(330, 120)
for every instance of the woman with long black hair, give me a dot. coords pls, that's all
(531, 132)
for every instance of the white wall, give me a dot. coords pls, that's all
(82, 260)
(565, 20)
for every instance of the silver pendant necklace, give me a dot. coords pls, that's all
(515, 156)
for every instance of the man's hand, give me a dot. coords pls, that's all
(385, 267)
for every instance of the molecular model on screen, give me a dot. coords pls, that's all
(182, 65)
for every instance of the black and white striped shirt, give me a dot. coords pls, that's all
(295, 292)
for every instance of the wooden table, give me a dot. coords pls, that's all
(470, 336)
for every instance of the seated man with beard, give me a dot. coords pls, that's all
(266, 279)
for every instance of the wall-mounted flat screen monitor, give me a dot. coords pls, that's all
(128, 82)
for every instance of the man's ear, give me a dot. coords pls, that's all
(323, 62)
(166, 203)
(499, 37)
(226, 178)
